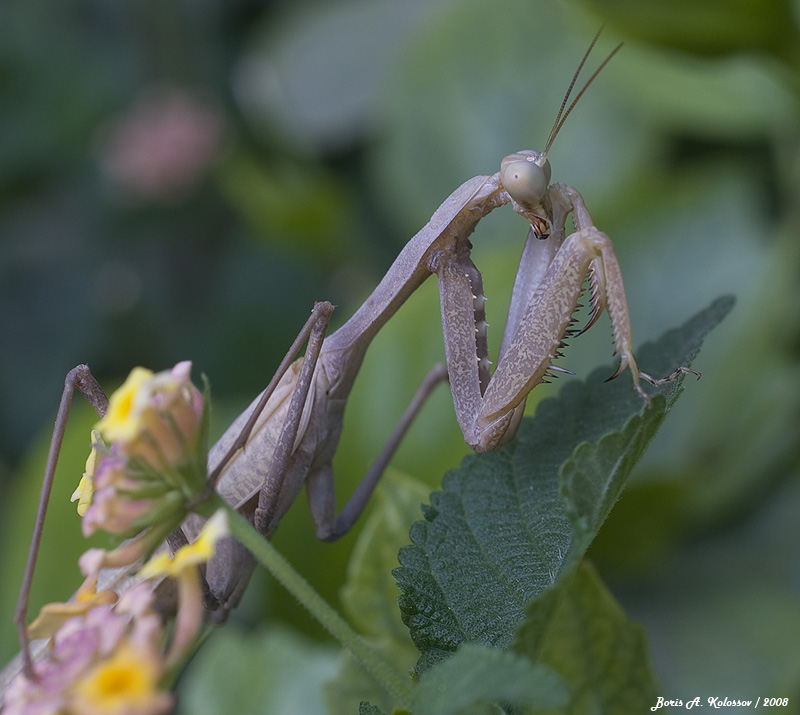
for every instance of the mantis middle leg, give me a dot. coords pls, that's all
(286, 440)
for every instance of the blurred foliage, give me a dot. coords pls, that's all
(341, 126)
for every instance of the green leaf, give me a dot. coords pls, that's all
(507, 524)
(739, 25)
(274, 671)
(579, 630)
(476, 676)
(369, 597)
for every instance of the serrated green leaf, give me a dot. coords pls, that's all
(507, 523)
(579, 630)
(476, 676)
(365, 708)
(593, 477)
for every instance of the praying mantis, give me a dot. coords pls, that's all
(287, 437)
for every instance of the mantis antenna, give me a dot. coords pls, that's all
(526, 178)
(561, 117)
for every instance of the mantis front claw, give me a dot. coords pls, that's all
(671, 377)
(656, 382)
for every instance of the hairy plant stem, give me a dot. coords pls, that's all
(271, 559)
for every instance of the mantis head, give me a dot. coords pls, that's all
(526, 176)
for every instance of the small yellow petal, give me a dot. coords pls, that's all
(203, 547)
(122, 421)
(84, 485)
(158, 565)
(91, 460)
(198, 552)
(85, 491)
(84, 494)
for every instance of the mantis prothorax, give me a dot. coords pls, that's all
(288, 435)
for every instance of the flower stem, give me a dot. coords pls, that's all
(269, 557)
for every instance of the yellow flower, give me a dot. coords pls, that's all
(198, 552)
(122, 420)
(123, 684)
(154, 466)
(182, 566)
(85, 491)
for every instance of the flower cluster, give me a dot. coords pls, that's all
(104, 658)
(155, 417)
(109, 656)
(147, 468)
(147, 465)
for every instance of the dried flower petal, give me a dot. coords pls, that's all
(54, 615)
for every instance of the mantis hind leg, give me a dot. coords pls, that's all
(81, 379)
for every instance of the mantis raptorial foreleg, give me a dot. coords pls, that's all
(544, 300)
(487, 417)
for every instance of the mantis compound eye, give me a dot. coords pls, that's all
(525, 181)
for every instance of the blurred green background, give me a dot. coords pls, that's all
(182, 180)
